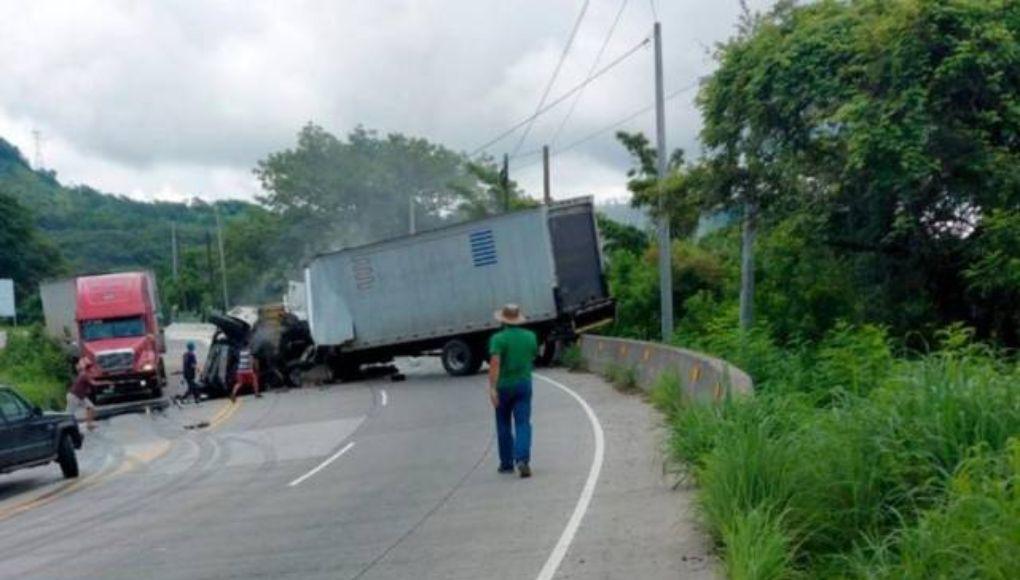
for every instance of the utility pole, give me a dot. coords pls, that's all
(223, 261)
(546, 193)
(665, 253)
(173, 247)
(410, 214)
(747, 262)
(505, 177)
(209, 263)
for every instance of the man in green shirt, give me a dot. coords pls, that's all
(512, 352)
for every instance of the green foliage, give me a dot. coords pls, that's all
(623, 377)
(679, 189)
(25, 256)
(35, 366)
(573, 359)
(333, 192)
(667, 392)
(620, 237)
(860, 464)
(891, 125)
(756, 547)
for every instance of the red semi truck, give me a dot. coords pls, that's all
(116, 325)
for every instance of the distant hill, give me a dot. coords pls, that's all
(99, 232)
(622, 212)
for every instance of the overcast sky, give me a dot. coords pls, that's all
(169, 100)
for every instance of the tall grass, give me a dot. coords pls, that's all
(856, 463)
(35, 367)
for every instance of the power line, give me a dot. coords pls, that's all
(594, 65)
(607, 128)
(644, 42)
(556, 73)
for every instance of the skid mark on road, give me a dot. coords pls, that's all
(567, 537)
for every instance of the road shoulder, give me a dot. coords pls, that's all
(638, 525)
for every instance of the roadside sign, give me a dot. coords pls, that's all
(7, 299)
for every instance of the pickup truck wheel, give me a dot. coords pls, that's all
(66, 458)
(459, 359)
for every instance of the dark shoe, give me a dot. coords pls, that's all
(524, 469)
(505, 469)
(258, 395)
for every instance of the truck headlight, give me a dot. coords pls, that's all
(148, 367)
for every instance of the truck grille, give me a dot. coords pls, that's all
(118, 360)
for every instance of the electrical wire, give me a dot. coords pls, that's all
(556, 73)
(563, 97)
(594, 65)
(610, 127)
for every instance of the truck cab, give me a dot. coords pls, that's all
(119, 330)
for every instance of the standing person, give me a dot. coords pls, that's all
(78, 394)
(190, 367)
(512, 353)
(247, 373)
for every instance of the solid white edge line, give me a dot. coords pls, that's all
(322, 465)
(383, 392)
(560, 551)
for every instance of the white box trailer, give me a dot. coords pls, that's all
(439, 289)
(59, 304)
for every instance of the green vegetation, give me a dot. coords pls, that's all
(35, 366)
(908, 472)
(572, 358)
(875, 143)
(623, 377)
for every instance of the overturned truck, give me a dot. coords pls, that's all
(436, 292)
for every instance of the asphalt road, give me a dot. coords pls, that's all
(363, 480)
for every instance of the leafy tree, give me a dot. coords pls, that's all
(25, 256)
(894, 121)
(680, 189)
(339, 192)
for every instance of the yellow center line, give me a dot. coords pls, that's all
(224, 415)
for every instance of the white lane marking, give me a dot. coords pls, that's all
(384, 399)
(322, 465)
(560, 551)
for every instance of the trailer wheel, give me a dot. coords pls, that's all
(459, 359)
(547, 351)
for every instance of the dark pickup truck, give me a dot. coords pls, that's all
(29, 437)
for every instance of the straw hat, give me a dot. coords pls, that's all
(510, 314)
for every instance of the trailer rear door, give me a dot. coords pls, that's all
(576, 255)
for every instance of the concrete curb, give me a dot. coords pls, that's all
(703, 377)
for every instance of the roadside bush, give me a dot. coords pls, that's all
(857, 463)
(35, 366)
(573, 359)
(666, 393)
(624, 378)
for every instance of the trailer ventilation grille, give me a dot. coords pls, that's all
(483, 248)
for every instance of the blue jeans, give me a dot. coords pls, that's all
(515, 444)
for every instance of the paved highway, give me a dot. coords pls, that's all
(364, 480)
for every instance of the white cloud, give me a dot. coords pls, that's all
(169, 100)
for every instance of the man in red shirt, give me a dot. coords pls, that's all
(78, 394)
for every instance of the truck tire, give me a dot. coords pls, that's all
(66, 458)
(547, 350)
(460, 359)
